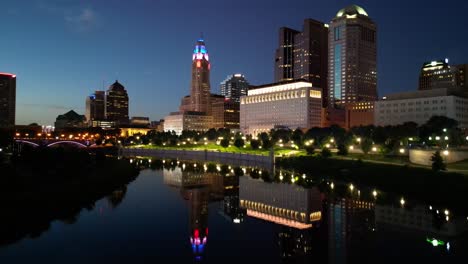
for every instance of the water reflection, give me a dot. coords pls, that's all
(304, 219)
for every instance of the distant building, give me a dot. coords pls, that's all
(234, 87)
(157, 125)
(102, 124)
(132, 131)
(294, 105)
(437, 74)
(302, 55)
(95, 107)
(226, 114)
(7, 99)
(188, 120)
(117, 104)
(359, 114)
(461, 76)
(420, 106)
(140, 121)
(70, 119)
(352, 57)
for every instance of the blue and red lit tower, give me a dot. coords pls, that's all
(199, 99)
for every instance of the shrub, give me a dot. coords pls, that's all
(225, 143)
(254, 144)
(438, 162)
(366, 145)
(326, 153)
(239, 142)
(310, 150)
(342, 150)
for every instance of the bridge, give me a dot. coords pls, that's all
(54, 142)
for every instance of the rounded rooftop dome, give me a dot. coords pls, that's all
(117, 86)
(352, 10)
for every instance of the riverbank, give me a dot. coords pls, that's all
(32, 196)
(415, 182)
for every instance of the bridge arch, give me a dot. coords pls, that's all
(28, 142)
(81, 145)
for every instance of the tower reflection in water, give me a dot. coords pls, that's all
(313, 222)
(198, 189)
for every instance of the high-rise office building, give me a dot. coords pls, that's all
(352, 57)
(95, 107)
(461, 76)
(284, 56)
(234, 87)
(302, 55)
(199, 99)
(117, 104)
(7, 99)
(436, 74)
(440, 74)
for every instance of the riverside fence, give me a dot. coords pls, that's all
(237, 159)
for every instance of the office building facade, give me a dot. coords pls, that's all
(352, 57)
(420, 106)
(7, 99)
(96, 107)
(117, 104)
(294, 105)
(302, 55)
(234, 87)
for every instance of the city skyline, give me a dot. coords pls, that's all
(83, 39)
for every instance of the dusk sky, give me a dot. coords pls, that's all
(63, 50)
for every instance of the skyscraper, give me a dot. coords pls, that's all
(439, 74)
(199, 99)
(436, 74)
(117, 104)
(352, 53)
(302, 55)
(96, 107)
(284, 57)
(7, 99)
(234, 87)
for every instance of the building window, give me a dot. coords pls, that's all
(337, 73)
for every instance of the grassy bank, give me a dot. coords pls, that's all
(279, 151)
(414, 182)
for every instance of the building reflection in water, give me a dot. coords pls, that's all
(311, 223)
(200, 188)
(295, 211)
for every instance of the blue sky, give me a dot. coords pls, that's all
(63, 50)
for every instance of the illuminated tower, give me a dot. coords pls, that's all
(352, 56)
(199, 99)
(117, 103)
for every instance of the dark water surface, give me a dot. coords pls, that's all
(179, 215)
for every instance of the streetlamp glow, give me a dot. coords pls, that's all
(351, 187)
(446, 152)
(402, 201)
(374, 193)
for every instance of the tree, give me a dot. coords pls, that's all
(326, 153)
(342, 150)
(239, 142)
(366, 145)
(254, 144)
(310, 149)
(438, 162)
(225, 142)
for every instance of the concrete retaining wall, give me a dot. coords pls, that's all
(423, 157)
(238, 159)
